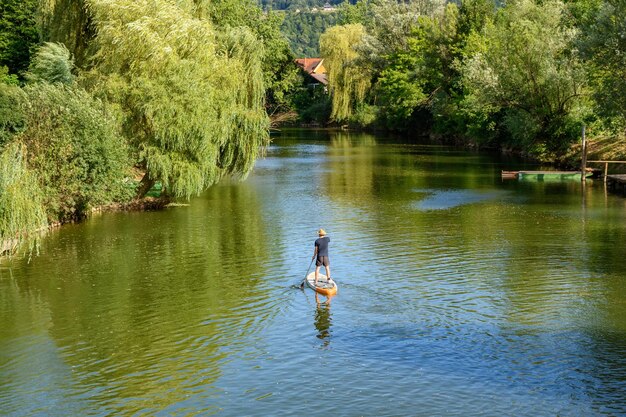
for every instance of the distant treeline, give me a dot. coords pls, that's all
(303, 30)
(293, 5)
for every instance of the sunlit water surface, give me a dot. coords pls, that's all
(460, 295)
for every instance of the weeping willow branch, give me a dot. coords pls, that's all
(21, 209)
(192, 96)
(347, 80)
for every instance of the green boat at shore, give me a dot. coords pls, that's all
(545, 175)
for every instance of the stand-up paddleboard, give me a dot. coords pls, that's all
(323, 286)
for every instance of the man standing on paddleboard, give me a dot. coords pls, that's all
(321, 252)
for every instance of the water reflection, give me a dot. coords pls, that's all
(510, 306)
(348, 140)
(132, 299)
(446, 199)
(323, 319)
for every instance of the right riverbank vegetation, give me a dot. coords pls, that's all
(102, 101)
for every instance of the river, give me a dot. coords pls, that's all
(459, 294)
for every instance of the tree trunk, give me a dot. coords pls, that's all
(145, 185)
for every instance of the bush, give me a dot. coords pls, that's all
(11, 118)
(74, 148)
(52, 64)
(365, 115)
(8, 78)
(318, 112)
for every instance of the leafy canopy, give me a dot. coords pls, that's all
(73, 146)
(52, 63)
(529, 71)
(348, 81)
(191, 97)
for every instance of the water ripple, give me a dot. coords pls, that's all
(458, 295)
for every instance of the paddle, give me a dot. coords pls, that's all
(307, 273)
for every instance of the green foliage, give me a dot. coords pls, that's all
(192, 97)
(313, 105)
(604, 45)
(347, 80)
(18, 33)
(11, 118)
(21, 197)
(408, 51)
(52, 64)
(583, 13)
(392, 22)
(279, 69)
(365, 115)
(280, 74)
(227, 13)
(529, 71)
(422, 73)
(293, 5)
(6, 78)
(74, 148)
(353, 13)
(303, 30)
(400, 88)
(69, 22)
(388, 24)
(474, 15)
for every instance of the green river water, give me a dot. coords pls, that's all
(459, 295)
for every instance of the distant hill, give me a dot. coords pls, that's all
(303, 30)
(297, 4)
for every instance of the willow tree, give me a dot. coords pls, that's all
(68, 22)
(191, 97)
(348, 79)
(21, 203)
(52, 63)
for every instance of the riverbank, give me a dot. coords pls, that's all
(599, 148)
(605, 148)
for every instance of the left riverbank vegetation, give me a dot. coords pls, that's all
(101, 101)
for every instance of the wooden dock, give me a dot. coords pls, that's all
(616, 183)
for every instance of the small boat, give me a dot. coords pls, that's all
(324, 286)
(509, 175)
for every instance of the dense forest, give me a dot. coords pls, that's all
(523, 75)
(304, 28)
(103, 101)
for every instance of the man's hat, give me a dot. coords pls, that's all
(321, 232)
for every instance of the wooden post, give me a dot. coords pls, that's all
(606, 170)
(583, 164)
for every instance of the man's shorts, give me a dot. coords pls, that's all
(322, 260)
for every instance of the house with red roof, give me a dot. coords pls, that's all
(314, 68)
